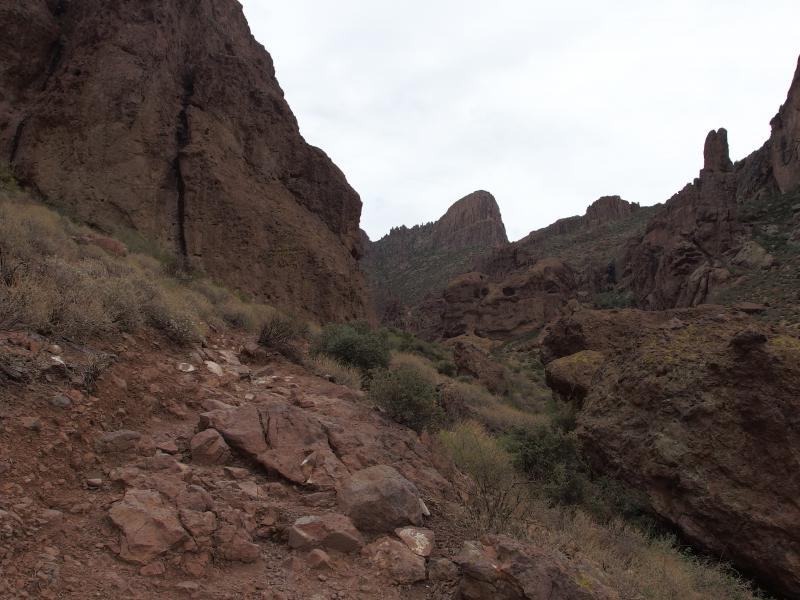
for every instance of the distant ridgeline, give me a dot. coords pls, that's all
(409, 263)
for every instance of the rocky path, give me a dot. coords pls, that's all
(218, 473)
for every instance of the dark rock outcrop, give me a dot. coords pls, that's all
(410, 263)
(167, 119)
(683, 257)
(500, 308)
(785, 139)
(697, 408)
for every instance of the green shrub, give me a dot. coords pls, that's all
(613, 299)
(404, 341)
(407, 396)
(551, 459)
(446, 368)
(354, 344)
(284, 334)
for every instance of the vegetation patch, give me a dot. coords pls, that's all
(408, 397)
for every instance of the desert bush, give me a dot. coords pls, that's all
(463, 401)
(285, 335)
(405, 341)
(613, 299)
(497, 495)
(551, 459)
(416, 362)
(407, 396)
(330, 368)
(446, 368)
(354, 344)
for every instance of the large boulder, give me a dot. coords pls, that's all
(149, 526)
(379, 499)
(699, 409)
(500, 568)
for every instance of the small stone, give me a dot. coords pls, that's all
(236, 472)
(153, 569)
(54, 349)
(214, 368)
(442, 569)
(94, 483)
(32, 423)
(118, 441)
(61, 401)
(187, 586)
(186, 368)
(168, 447)
(418, 539)
(209, 448)
(318, 559)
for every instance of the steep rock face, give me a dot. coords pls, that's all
(674, 262)
(166, 118)
(785, 139)
(699, 409)
(501, 308)
(474, 220)
(683, 257)
(409, 263)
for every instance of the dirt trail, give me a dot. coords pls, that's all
(61, 474)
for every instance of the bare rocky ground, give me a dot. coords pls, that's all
(106, 490)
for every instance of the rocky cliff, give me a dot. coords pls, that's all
(409, 263)
(166, 118)
(733, 217)
(521, 286)
(697, 408)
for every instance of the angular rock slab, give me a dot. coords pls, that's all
(149, 526)
(209, 448)
(284, 439)
(396, 560)
(418, 539)
(331, 531)
(380, 499)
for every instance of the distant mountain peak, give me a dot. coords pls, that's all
(474, 220)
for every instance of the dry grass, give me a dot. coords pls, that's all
(422, 365)
(497, 497)
(52, 284)
(464, 401)
(639, 565)
(330, 368)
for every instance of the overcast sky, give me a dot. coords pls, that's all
(548, 105)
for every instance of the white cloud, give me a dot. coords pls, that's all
(547, 105)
